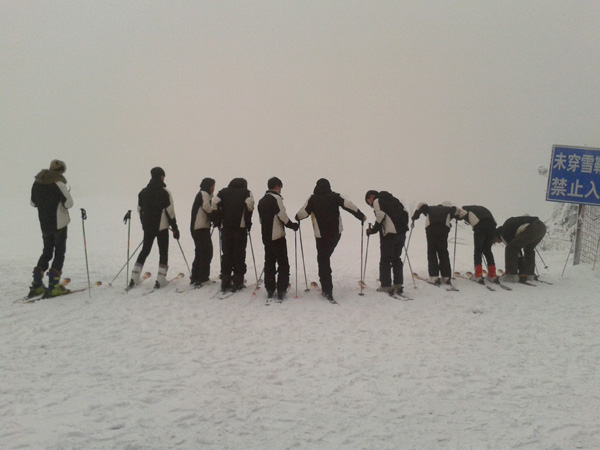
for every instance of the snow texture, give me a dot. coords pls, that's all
(468, 369)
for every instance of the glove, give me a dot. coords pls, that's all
(176, 233)
(363, 219)
(412, 224)
(248, 227)
(370, 231)
(294, 226)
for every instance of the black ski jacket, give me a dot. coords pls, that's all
(273, 217)
(201, 209)
(324, 206)
(514, 226)
(436, 215)
(478, 217)
(51, 197)
(390, 215)
(233, 205)
(155, 206)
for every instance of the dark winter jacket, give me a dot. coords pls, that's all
(273, 217)
(233, 205)
(324, 208)
(155, 206)
(202, 209)
(478, 217)
(390, 215)
(514, 226)
(50, 195)
(436, 215)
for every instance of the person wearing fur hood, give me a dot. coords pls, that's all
(200, 229)
(50, 195)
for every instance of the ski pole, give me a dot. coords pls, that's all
(362, 232)
(296, 259)
(87, 267)
(366, 256)
(542, 259)
(253, 260)
(408, 242)
(127, 221)
(454, 258)
(302, 251)
(183, 254)
(132, 255)
(409, 265)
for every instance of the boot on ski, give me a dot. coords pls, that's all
(55, 288)
(492, 276)
(136, 273)
(161, 278)
(478, 277)
(37, 285)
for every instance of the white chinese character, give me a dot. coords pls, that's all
(593, 190)
(587, 163)
(559, 187)
(597, 165)
(573, 163)
(575, 188)
(559, 162)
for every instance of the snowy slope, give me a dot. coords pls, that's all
(468, 369)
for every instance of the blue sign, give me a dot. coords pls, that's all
(574, 175)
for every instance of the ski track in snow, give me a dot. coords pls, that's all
(468, 369)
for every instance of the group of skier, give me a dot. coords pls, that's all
(231, 209)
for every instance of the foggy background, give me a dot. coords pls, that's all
(431, 100)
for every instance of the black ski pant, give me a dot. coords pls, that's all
(203, 255)
(233, 263)
(390, 263)
(438, 258)
(325, 248)
(483, 239)
(277, 266)
(162, 237)
(525, 242)
(55, 247)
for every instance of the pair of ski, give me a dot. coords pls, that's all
(156, 287)
(449, 287)
(193, 287)
(64, 282)
(470, 276)
(392, 293)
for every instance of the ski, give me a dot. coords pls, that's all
(543, 281)
(449, 287)
(193, 287)
(145, 276)
(470, 276)
(330, 299)
(75, 291)
(157, 287)
(28, 299)
(399, 295)
(502, 285)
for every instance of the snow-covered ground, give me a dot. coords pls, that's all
(468, 369)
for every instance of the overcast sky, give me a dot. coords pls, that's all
(431, 100)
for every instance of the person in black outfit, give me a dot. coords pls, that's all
(50, 195)
(391, 222)
(521, 235)
(484, 230)
(233, 207)
(324, 206)
(437, 229)
(200, 229)
(273, 219)
(157, 213)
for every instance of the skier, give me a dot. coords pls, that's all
(437, 229)
(484, 228)
(50, 195)
(391, 222)
(234, 206)
(200, 229)
(157, 213)
(273, 219)
(521, 235)
(323, 206)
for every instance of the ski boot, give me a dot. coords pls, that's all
(135, 275)
(478, 277)
(55, 288)
(386, 289)
(37, 285)
(161, 279)
(398, 288)
(492, 276)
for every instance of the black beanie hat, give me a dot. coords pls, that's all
(157, 172)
